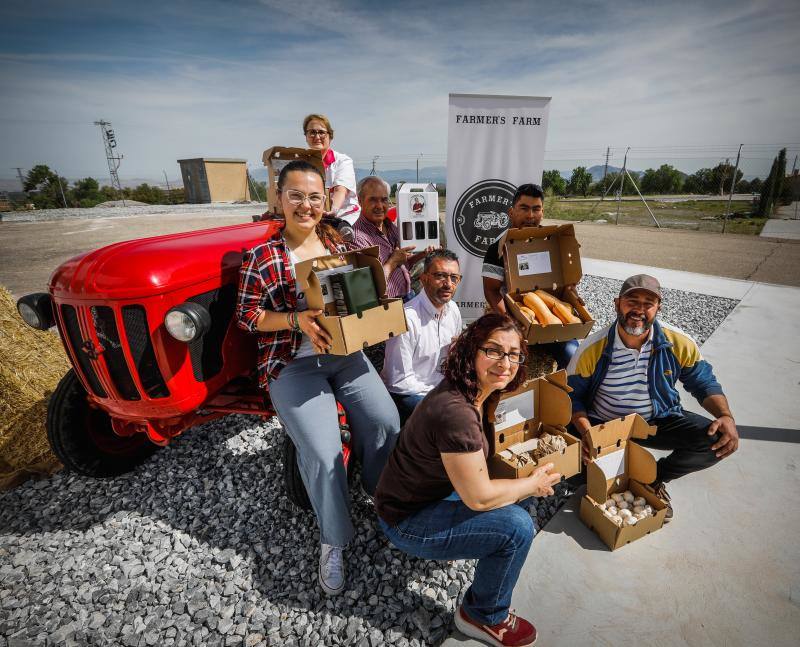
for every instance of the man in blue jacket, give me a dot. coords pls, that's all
(632, 366)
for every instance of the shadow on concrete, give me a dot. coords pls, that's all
(769, 433)
(568, 522)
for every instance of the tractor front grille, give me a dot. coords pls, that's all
(206, 352)
(94, 336)
(134, 319)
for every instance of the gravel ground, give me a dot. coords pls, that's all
(200, 546)
(41, 215)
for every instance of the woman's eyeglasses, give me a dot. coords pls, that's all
(515, 357)
(297, 198)
(316, 133)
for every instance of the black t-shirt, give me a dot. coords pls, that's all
(414, 476)
(493, 264)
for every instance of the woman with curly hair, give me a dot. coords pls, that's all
(435, 499)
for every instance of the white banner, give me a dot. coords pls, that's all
(494, 144)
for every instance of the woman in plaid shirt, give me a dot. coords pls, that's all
(304, 383)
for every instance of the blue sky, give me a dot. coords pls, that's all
(678, 82)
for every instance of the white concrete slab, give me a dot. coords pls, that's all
(726, 571)
(716, 286)
(779, 228)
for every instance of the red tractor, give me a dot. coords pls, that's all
(149, 328)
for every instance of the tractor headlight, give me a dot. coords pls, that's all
(37, 310)
(187, 322)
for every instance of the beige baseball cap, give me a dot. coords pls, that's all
(641, 282)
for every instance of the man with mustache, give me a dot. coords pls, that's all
(633, 366)
(413, 361)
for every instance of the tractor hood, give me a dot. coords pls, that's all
(146, 267)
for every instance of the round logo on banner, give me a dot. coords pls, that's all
(481, 214)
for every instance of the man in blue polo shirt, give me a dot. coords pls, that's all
(632, 366)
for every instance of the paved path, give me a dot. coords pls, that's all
(726, 571)
(784, 224)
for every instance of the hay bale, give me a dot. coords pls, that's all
(31, 364)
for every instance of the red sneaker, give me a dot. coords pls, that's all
(512, 632)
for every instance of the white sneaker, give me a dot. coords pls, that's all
(331, 569)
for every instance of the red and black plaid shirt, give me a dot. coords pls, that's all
(266, 282)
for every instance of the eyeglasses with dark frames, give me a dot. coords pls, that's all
(317, 133)
(455, 279)
(515, 357)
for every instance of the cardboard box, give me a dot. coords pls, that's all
(357, 331)
(618, 464)
(545, 258)
(276, 158)
(539, 405)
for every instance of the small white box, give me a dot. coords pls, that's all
(418, 215)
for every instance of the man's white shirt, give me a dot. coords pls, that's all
(413, 360)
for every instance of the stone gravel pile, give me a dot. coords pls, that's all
(200, 546)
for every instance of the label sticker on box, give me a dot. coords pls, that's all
(324, 278)
(534, 263)
(612, 464)
(513, 411)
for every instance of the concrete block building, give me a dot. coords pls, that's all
(214, 179)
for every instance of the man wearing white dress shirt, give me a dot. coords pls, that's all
(412, 365)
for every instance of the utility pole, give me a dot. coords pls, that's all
(374, 159)
(22, 179)
(420, 155)
(724, 176)
(796, 201)
(169, 191)
(730, 195)
(605, 169)
(622, 183)
(110, 143)
(61, 186)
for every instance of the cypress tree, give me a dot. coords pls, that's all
(768, 191)
(780, 176)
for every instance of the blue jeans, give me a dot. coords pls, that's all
(406, 404)
(304, 394)
(499, 539)
(562, 351)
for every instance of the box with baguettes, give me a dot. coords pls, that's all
(539, 263)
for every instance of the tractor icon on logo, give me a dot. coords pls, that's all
(486, 220)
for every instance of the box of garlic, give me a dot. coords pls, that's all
(619, 506)
(529, 429)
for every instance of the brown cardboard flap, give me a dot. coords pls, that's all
(308, 282)
(554, 404)
(554, 258)
(515, 408)
(614, 433)
(641, 464)
(287, 154)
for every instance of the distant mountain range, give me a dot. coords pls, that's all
(435, 174)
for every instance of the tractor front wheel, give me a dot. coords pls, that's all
(82, 438)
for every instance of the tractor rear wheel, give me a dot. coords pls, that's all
(82, 438)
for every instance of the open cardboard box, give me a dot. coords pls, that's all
(545, 258)
(353, 332)
(539, 405)
(276, 158)
(616, 465)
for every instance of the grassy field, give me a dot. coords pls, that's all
(697, 215)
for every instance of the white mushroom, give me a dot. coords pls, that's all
(625, 513)
(631, 521)
(640, 516)
(637, 509)
(617, 520)
(617, 497)
(648, 509)
(612, 510)
(640, 500)
(623, 505)
(609, 503)
(628, 496)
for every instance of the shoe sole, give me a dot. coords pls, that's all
(472, 631)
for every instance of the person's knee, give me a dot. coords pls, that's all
(519, 526)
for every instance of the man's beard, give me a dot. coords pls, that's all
(639, 329)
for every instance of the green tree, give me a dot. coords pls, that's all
(86, 192)
(553, 180)
(768, 192)
(149, 194)
(721, 176)
(46, 186)
(701, 181)
(666, 179)
(780, 176)
(580, 181)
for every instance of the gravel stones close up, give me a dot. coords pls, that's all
(200, 546)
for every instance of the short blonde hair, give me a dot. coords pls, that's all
(321, 118)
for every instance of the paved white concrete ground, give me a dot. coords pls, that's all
(726, 570)
(784, 224)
